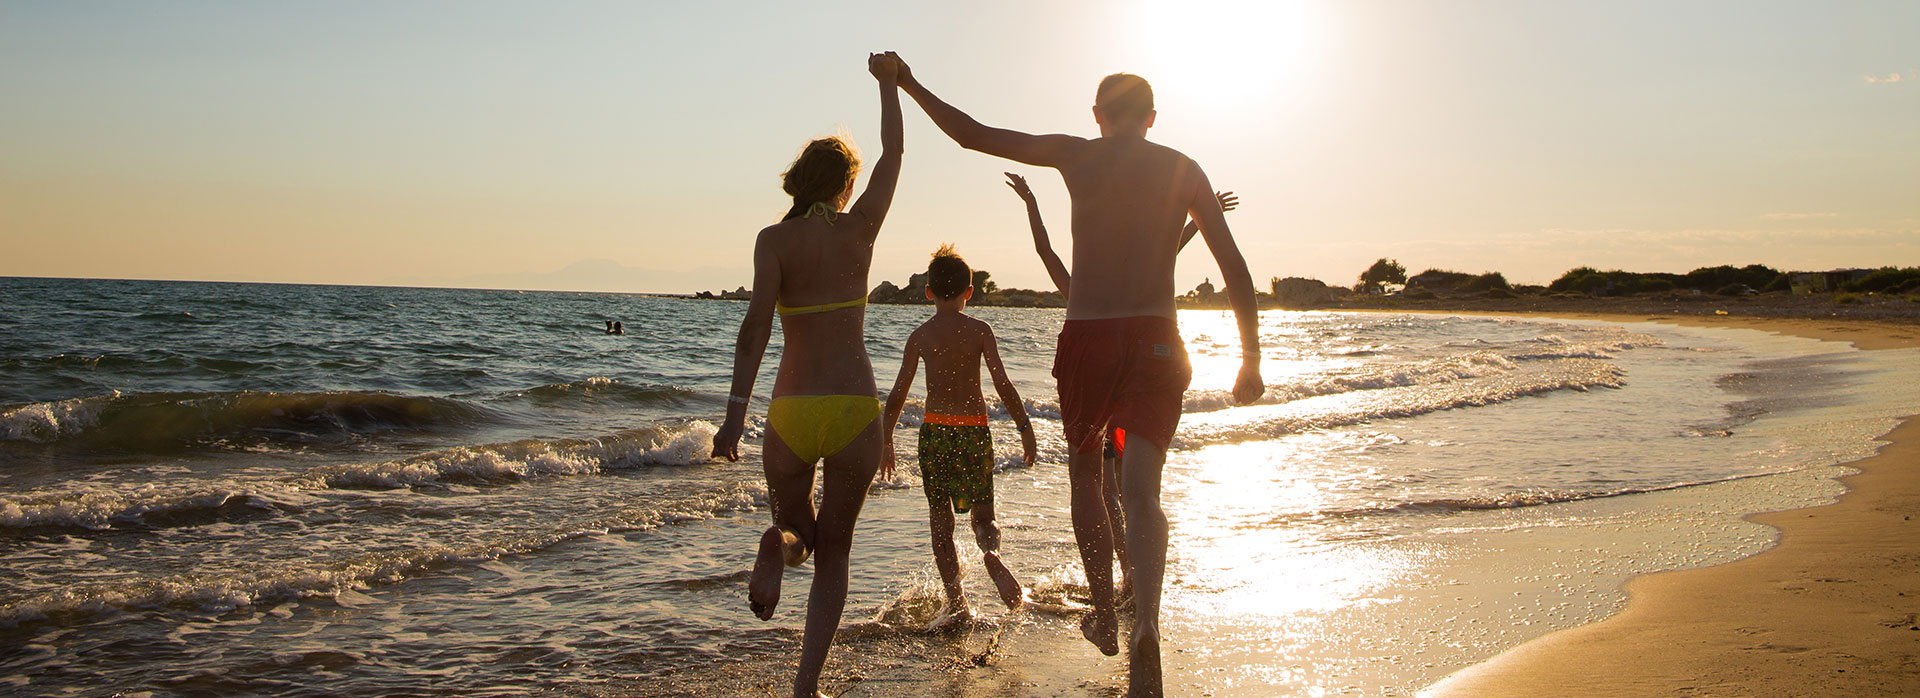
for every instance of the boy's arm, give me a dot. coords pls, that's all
(1061, 279)
(1010, 397)
(749, 348)
(1045, 151)
(878, 198)
(1228, 202)
(897, 400)
(1207, 212)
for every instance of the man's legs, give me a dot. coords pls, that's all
(1110, 479)
(1090, 530)
(1147, 542)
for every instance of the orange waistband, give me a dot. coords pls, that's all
(955, 420)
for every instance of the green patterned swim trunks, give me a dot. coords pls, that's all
(956, 465)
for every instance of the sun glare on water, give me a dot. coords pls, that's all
(1225, 52)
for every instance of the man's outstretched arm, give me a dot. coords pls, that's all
(1045, 151)
(1206, 211)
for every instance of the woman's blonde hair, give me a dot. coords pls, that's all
(824, 168)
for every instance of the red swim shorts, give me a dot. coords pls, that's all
(1130, 373)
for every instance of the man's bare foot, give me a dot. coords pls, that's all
(1103, 630)
(1143, 666)
(1010, 592)
(777, 546)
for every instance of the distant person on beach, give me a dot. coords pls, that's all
(811, 269)
(619, 328)
(1120, 360)
(956, 450)
(609, 327)
(1116, 438)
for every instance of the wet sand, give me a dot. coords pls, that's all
(1833, 610)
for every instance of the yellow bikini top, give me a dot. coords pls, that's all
(785, 310)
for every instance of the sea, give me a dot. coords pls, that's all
(303, 490)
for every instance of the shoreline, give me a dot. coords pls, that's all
(1833, 609)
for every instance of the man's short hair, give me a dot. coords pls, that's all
(948, 275)
(1124, 96)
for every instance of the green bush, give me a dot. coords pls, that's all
(1885, 279)
(1487, 282)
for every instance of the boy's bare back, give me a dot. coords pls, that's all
(952, 345)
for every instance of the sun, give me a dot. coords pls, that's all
(1232, 53)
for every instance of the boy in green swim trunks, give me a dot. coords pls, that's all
(956, 451)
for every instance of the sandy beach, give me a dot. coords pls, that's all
(1830, 611)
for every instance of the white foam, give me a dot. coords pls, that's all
(43, 422)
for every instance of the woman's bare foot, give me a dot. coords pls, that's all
(1103, 630)
(778, 545)
(1010, 592)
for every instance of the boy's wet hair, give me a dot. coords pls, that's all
(824, 168)
(1124, 96)
(948, 275)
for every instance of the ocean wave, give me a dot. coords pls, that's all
(1345, 409)
(1518, 500)
(100, 508)
(518, 460)
(94, 506)
(167, 422)
(600, 390)
(341, 578)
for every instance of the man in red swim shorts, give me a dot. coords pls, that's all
(1121, 362)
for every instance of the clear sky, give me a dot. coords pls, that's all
(637, 145)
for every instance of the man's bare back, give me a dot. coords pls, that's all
(1131, 240)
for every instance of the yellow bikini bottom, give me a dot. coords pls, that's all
(818, 426)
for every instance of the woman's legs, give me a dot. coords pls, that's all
(786, 542)
(848, 475)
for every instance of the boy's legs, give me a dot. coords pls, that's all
(945, 558)
(848, 474)
(1147, 540)
(986, 534)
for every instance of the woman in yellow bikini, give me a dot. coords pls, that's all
(811, 269)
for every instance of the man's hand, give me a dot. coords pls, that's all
(883, 66)
(1030, 451)
(1019, 185)
(1228, 201)
(904, 73)
(886, 460)
(726, 442)
(1249, 387)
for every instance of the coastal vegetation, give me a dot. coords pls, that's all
(1385, 284)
